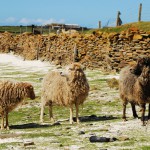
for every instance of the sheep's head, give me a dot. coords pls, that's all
(137, 69)
(73, 71)
(144, 78)
(30, 91)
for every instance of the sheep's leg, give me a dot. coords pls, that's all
(149, 112)
(124, 112)
(42, 113)
(134, 110)
(51, 113)
(143, 114)
(71, 114)
(7, 124)
(2, 121)
(77, 113)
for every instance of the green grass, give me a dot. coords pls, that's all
(26, 126)
(145, 148)
(145, 26)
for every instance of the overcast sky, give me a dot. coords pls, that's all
(85, 13)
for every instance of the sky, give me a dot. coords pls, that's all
(85, 13)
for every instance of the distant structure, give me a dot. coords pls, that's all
(56, 26)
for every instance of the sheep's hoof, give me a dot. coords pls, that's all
(52, 120)
(2, 128)
(7, 128)
(136, 116)
(124, 119)
(41, 121)
(78, 122)
(72, 122)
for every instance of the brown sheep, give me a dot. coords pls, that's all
(64, 90)
(135, 89)
(126, 78)
(12, 94)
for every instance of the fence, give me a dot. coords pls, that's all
(132, 14)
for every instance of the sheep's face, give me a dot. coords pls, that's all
(137, 69)
(30, 91)
(76, 67)
(73, 70)
(145, 76)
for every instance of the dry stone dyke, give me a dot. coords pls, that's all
(108, 51)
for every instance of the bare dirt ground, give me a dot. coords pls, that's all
(99, 116)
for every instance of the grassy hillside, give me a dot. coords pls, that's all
(145, 26)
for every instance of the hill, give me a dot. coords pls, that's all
(144, 26)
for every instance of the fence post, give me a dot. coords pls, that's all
(99, 24)
(75, 54)
(140, 10)
(118, 21)
(32, 28)
(41, 29)
(20, 29)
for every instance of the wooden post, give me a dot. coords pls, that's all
(32, 28)
(117, 21)
(140, 10)
(49, 30)
(20, 29)
(82, 29)
(99, 24)
(75, 54)
(41, 29)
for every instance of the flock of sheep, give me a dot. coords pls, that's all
(71, 88)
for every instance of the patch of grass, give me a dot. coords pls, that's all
(145, 148)
(6, 146)
(3, 146)
(145, 26)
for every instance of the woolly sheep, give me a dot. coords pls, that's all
(64, 90)
(135, 89)
(12, 94)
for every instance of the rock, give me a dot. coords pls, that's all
(137, 37)
(27, 143)
(123, 138)
(57, 123)
(81, 132)
(101, 139)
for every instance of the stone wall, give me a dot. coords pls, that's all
(98, 50)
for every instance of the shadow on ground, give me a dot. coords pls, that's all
(32, 125)
(95, 118)
(82, 119)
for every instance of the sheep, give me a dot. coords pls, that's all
(12, 94)
(126, 78)
(66, 90)
(70, 31)
(135, 89)
(131, 73)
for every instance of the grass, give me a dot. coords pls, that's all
(105, 109)
(145, 26)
